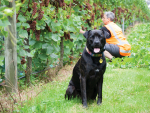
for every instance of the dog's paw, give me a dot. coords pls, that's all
(85, 106)
(99, 102)
(68, 96)
(70, 92)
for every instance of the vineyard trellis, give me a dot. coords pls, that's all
(47, 23)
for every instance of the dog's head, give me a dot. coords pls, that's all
(96, 40)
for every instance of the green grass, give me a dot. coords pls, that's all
(124, 91)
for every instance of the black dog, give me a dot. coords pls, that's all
(87, 78)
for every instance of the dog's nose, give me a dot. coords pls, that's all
(96, 42)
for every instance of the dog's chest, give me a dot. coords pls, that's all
(95, 72)
(95, 69)
(93, 77)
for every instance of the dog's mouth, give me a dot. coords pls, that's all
(96, 50)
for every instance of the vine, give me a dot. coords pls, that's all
(46, 21)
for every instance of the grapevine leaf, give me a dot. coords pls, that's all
(18, 60)
(55, 26)
(1, 14)
(42, 56)
(55, 37)
(18, 24)
(80, 37)
(61, 33)
(23, 33)
(29, 54)
(40, 24)
(22, 52)
(73, 36)
(67, 50)
(8, 12)
(38, 45)
(47, 20)
(56, 48)
(18, 5)
(32, 52)
(68, 1)
(4, 23)
(54, 56)
(68, 43)
(32, 42)
(21, 18)
(26, 25)
(1, 60)
(26, 47)
(5, 33)
(50, 50)
(44, 46)
(38, 27)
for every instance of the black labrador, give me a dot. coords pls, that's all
(87, 78)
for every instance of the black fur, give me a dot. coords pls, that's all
(87, 78)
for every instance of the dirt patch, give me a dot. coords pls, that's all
(65, 72)
(10, 101)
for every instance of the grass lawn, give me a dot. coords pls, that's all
(124, 91)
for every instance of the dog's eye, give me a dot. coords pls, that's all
(91, 41)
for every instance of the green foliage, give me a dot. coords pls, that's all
(45, 22)
(140, 49)
(4, 12)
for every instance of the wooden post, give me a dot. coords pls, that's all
(11, 53)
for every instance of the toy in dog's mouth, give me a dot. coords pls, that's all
(96, 50)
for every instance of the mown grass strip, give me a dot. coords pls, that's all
(124, 90)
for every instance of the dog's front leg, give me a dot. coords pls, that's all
(100, 83)
(83, 90)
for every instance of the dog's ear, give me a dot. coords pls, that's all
(86, 34)
(105, 33)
